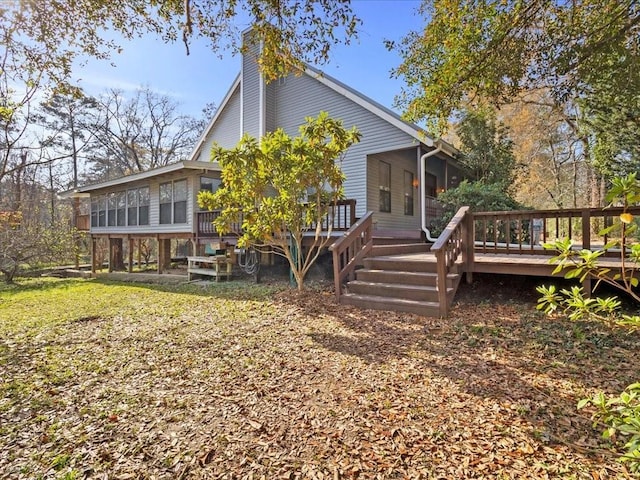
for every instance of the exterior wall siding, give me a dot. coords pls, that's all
(154, 227)
(271, 91)
(251, 93)
(303, 96)
(400, 161)
(226, 131)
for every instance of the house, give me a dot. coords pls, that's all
(159, 204)
(395, 171)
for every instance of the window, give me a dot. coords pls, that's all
(132, 207)
(116, 210)
(121, 205)
(166, 197)
(98, 211)
(408, 193)
(180, 201)
(94, 211)
(111, 210)
(102, 210)
(137, 206)
(143, 206)
(384, 179)
(173, 202)
(210, 184)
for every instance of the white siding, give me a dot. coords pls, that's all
(154, 227)
(226, 131)
(271, 113)
(304, 96)
(251, 93)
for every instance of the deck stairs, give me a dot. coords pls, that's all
(399, 278)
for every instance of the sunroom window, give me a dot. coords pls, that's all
(173, 202)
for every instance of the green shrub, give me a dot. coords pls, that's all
(621, 417)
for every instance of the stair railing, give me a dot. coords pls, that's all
(453, 242)
(350, 250)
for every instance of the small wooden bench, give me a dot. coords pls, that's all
(214, 266)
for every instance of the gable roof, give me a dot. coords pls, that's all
(173, 167)
(372, 106)
(365, 102)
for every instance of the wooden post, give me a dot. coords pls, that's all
(116, 255)
(93, 254)
(164, 254)
(441, 281)
(110, 257)
(76, 237)
(586, 243)
(586, 228)
(130, 259)
(468, 246)
(160, 253)
(139, 253)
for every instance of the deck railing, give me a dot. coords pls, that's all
(450, 245)
(206, 228)
(524, 232)
(350, 250)
(342, 216)
(434, 212)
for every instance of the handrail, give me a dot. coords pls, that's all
(452, 242)
(341, 215)
(523, 231)
(350, 250)
(204, 224)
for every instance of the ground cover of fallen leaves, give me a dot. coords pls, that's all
(238, 381)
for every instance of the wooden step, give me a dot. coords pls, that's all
(374, 302)
(384, 250)
(395, 236)
(425, 279)
(395, 290)
(425, 262)
(397, 276)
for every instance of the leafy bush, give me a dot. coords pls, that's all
(573, 303)
(621, 416)
(479, 196)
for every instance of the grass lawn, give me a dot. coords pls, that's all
(122, 381)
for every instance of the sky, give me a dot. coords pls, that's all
(203, 77)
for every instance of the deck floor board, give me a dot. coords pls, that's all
(514, 263)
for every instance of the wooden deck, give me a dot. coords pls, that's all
(507, 264)
(496, 243)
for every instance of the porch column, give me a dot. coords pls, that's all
(164, 254)
(116, 255)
